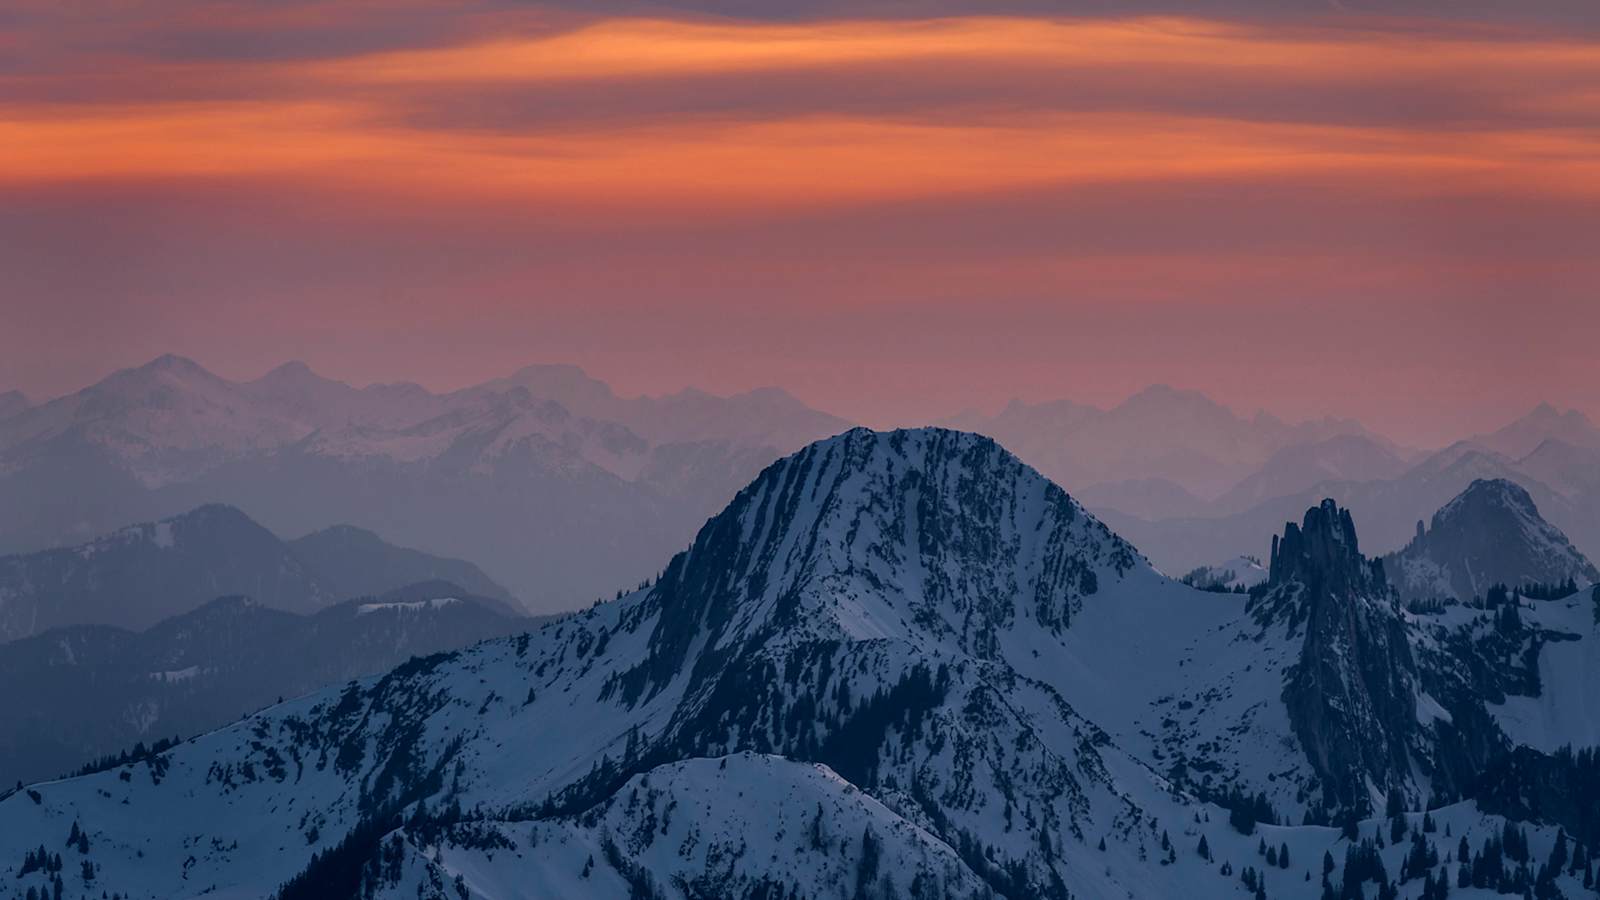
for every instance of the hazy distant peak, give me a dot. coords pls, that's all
(168, 368)
(1543, 422)
(772, 394)
(172, 362)
(1165, 396)
(561, 382)
(292, 372)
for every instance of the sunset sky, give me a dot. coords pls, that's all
(896, 210)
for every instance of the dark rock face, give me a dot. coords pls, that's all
(1351, 698)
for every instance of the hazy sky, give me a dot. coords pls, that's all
(893, 209)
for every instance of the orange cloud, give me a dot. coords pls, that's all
(353, 118)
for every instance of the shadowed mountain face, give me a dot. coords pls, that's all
(1490, 534)
(558, 487)
(94, 690)
(144, 573)
(899, 664)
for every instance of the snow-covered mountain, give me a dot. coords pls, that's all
(559, 487)
(93, 690)
(900, 664)
(134, 577)
(1490, 534)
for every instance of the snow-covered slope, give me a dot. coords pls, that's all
(909, 635)
(1239, 573)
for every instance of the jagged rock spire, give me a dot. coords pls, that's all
(1324, 550)
(1351, 696)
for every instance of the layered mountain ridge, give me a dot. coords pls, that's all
(560, 488)
(96, 690)
(141, 574)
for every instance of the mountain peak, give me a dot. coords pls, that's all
(1489, 491)
(1166, 397)
(1491, 533)
(172, 362)
(1543, 422)
(1323, 549)
(292, 372)
(883, 520)
(165, 373)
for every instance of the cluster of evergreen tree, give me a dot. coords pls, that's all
(1277, 857)
(78, 839)
(139, 753)
(40, 860)
(55, 891)
(1245, 811)
(1555, 590)
(1363, 864)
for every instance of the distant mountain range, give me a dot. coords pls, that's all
(1175, 436)
(565, 491)
(1559, 476)
(561, 489)
(94, 690)
(139, 575)
(1191, 482)
(900, 664)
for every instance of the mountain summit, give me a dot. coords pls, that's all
(1491, 533)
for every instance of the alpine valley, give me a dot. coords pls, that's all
(905, 664)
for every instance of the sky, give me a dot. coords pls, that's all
(895, 210)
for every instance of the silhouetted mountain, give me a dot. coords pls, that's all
(354, 562)
(1490, 534)
(94, 690)
(139, 575)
